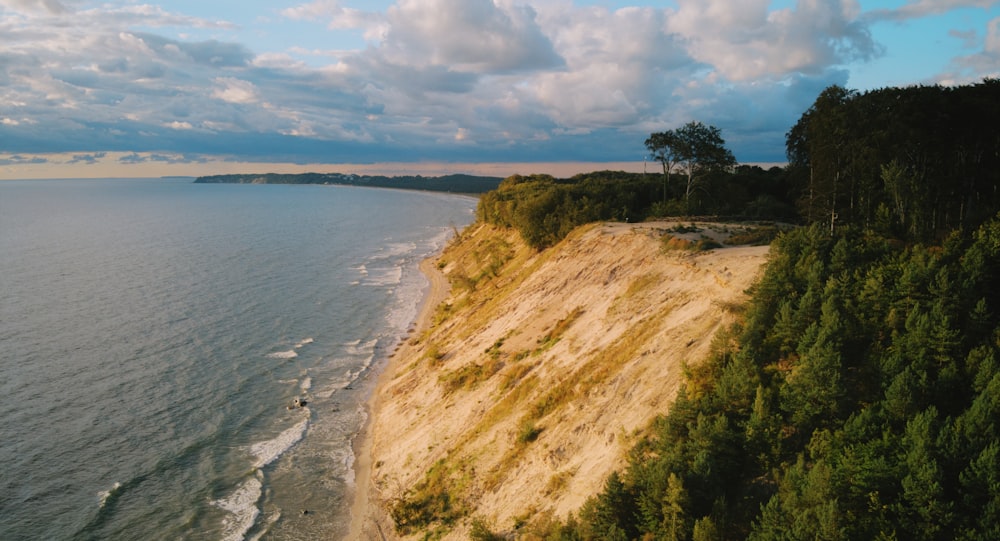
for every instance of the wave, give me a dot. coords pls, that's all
(384, 276)
(287, 355)
(303, 342)
(268, 451)
(306, 384)
(242, 506)
(105, 495)
(396, 249)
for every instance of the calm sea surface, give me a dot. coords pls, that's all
(153, 334)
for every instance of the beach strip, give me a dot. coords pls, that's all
(366, 520)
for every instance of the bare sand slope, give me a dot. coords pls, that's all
(530, 382)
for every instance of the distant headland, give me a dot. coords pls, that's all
(457, 183)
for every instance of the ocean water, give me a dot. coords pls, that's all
(154, 335)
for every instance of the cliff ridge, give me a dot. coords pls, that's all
(540, 371)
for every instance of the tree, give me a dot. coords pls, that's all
(666, 148)
(694, 148)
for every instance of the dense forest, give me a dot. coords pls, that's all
(859, 396)
(467, 184)
(915, 162)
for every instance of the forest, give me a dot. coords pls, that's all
(458, 183)
(858, 397)
(909, 163)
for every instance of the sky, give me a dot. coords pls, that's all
(191, 87)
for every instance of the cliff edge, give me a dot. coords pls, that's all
(537, 374)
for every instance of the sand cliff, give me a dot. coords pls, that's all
(534, 373)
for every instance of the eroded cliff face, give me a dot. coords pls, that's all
(541, 370)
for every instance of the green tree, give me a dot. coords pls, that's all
(666, 148)
(695, 149)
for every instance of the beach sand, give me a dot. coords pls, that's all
(367, 522)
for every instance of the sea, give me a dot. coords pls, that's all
(192, 361)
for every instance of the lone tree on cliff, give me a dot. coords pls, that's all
(694, 148)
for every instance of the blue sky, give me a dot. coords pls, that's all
(126, 88)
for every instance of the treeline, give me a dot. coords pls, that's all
(860, 399)
(912, 162)
(544, 209)
(457, 183)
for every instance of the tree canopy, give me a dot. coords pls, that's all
(913, 162)
(694, 149)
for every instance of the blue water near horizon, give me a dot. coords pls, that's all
(155, 332)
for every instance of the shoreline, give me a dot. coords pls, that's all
(366, 520)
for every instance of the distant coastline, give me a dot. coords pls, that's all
(457, 183)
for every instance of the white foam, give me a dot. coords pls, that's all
(396, 249)
(358, 349)
(242, 506)
(350, 475)
(290, 354)
(304, 342)
(306, 383)
(269, 521)
(105, 494)
(384, 276)
(267, 451)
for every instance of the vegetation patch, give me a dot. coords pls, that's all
(514, 374)
(682, 229)
(528, 432)
(754, 236)
(558, 482)
(627, 301)
(670, 243)
(434, 354)
(553, 336)
(470, 375)
(483, 531)
(434, 501)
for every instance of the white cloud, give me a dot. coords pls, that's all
(467, 35)
(339, 17)
(234, 90)
(993, 38)
(51, 6)
(744, 41)
(179, 125)
(972, 68)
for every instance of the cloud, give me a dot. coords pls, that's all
(339, 17)
(89, 159)
(477, 36)
(234, 90)
(972, 68)
(915, 9)
(50, 6)
(745, 41)
(17, 159)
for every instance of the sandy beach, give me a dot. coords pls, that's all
(366, 522)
